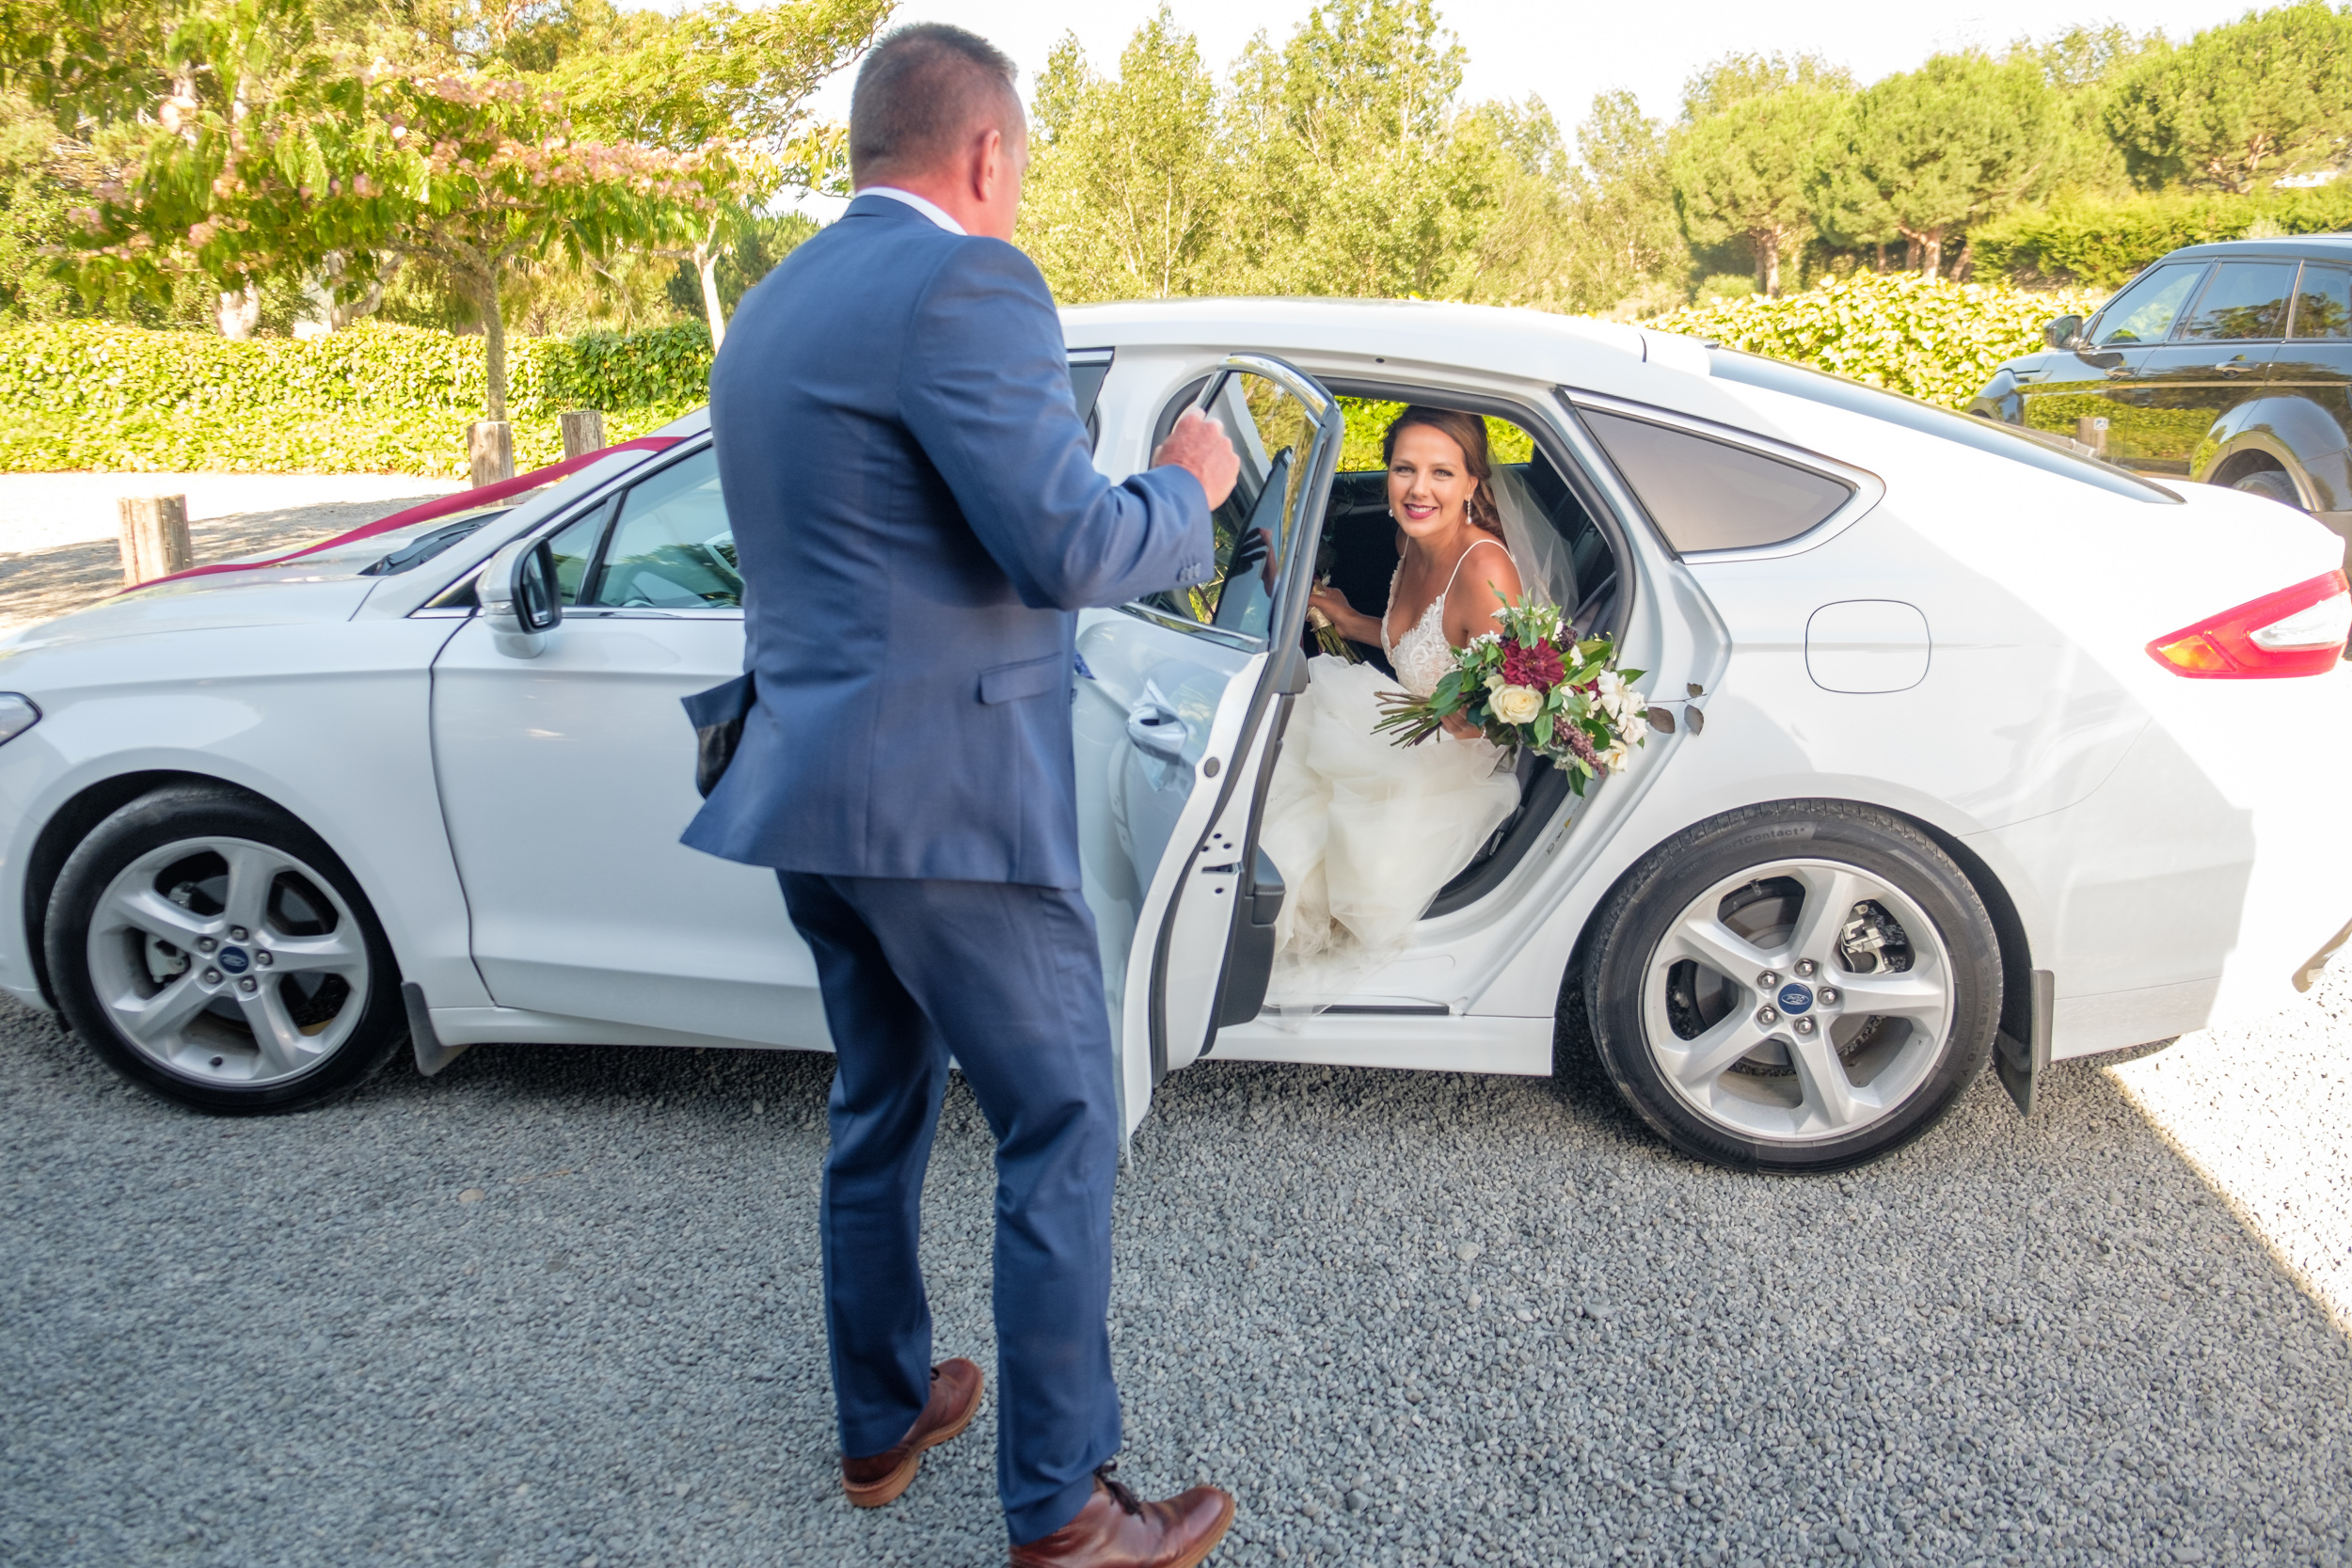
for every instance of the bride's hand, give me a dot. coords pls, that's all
(1334, 604)
(1460, 728)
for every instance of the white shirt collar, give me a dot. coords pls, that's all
(928, 209)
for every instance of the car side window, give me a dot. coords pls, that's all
(1708, 494)
(575, 547)
(2245, 299)
(2323, 302)
(1257, 528)
(2144, 313)
(672, 547)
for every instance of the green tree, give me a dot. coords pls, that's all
(1739, 173)
(1735, 78)
(1926, 152)
(725, 90)
(1353, 182)
(2263, 97)
(1129, 191)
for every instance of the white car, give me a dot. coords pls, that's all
(2002, 755)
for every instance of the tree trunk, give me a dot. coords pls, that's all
(493, 344)
(706, 267)
(1768, 263)
(237, 312)
(1878, 263)
(1967, 266)
(1932, 253)
(1911, 252)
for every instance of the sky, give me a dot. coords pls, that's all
(1568, 52)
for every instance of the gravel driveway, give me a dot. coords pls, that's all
(560, 1306)
(58, 531)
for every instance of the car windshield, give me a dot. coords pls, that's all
(1928, 419)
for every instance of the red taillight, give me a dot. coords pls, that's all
(2296, 631)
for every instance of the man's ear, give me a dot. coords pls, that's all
(988, 169)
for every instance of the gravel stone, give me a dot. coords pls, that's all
(1407, 1318)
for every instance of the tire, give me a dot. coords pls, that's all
(294, 1001)
(2271, 483)
(1723, 938)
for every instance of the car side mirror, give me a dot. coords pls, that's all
(520, 598)
(2066, 334)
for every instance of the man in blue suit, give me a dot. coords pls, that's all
(917, 517)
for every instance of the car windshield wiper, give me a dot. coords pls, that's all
(424, 546)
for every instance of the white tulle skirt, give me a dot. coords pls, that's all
(1365, 831)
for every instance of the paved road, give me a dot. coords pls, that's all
(558, 1307)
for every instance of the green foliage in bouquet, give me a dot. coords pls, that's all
(1534, 684)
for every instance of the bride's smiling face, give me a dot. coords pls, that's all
(1429, 484)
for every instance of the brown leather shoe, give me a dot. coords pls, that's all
(1116, 1529)
(878, 1479)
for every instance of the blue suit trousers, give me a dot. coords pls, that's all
(1007, 979)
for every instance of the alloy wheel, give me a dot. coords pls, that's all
(227, 961)
(1798, 1001)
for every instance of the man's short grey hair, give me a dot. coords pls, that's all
(921, 92)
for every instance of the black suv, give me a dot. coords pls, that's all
(2228, 363)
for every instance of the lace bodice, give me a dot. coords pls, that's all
(1421, 656)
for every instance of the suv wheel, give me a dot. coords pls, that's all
(1800, 987)
(213, 950)
(2270, 483)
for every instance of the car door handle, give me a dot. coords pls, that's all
(2232, 367)
(1154, 728)
(2120, 373)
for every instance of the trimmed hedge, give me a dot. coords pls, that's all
(2101, 245)
(1940, 341)
(371, 399)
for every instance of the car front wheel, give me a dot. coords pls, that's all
(216, 952)
(1801, 986)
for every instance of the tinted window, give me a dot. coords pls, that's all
(2245, 299)
(2144, 313)
(2001, 440)
(1257, 528)
(2323, 302)
(1706, 495)
(672, 545)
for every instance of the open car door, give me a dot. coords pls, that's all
(1180, 708)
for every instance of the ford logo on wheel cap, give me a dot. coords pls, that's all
(1795, 998)
(233, 960)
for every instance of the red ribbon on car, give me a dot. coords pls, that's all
(461, 501)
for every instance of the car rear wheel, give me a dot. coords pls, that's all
(216, 952)
(2270, 483)
(1801, 986)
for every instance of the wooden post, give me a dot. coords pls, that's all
(583, 431)
(490, 445)
(2091, 431)
(154, 537)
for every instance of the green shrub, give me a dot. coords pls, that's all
(371, 399)
(1940, 341)
(2101, 245)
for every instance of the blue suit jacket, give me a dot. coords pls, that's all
(917, 516)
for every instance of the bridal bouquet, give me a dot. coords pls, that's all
(1533, 684)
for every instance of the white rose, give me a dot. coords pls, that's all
(1614, 759)
(1611, 685)
(1632, 729)
(1515, 705)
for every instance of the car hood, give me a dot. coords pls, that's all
(328, 585)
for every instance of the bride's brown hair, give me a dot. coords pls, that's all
(1468, 431)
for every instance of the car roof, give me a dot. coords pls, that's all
(2316, 248)
(1537, 342)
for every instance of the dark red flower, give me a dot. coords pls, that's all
(1537, 665)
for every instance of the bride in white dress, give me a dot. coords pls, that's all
(1366, 831)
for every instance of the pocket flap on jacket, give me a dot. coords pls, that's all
(1034, 677)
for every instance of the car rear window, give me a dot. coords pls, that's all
(1925, 417)
(2245, 299)
(1706, 495)
(2323, 302)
